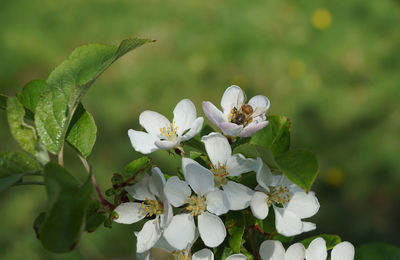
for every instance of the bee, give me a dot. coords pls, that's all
(242, 116)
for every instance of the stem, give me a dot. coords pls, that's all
(133, 177)
(61, 155)
(28, 183)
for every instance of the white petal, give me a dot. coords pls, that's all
(308, 226)
(148, 236)
(142, 142)
(287, 223)
(180, 231)
(204, 254)
(317, 250)
(295, 252)
(239, 196)
(263, 175)
(343, 251)
(195, 128)
(199, 178)
(140, 190)
(259, 102)
(217, 147)
(212, 229)
(157, 182)
(213, 113)
(184, 115)
(236, 257)
(303, 204)
(176, 191)
(129, 212)
(232, 97)
(230, 129)
(272, 250)
(217, 202)
(166, 145)
(259, 206)
(144, 256)
(238, 164)
(166, 217)
(152, 122)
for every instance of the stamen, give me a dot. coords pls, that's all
(152, 207)
(180, 255)
(219, 172)
(197, 204)
(279, 195)
(169, 132)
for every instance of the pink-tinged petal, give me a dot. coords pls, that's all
(259, 206)
(303, 204)
(213, 113)
(217, 147)
(195, 128)
(142, 142)
(232, 97)
(253, 128)
(148, 236)
(272, 250)
(259, 102)
(152, 122)
(180, 231)
(176, 191)
(287, 223)
(204, 254)
(230, 129)
(200, 179)
(238, 164)
(166, 145)
(239, 196)
(184, 115)
(217, 202)
(343, 251)
(129, 213)
(295, 252)
(236, 257)
(211, 228)
(317, 250)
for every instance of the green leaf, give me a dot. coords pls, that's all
(197, 145)
(134, 166)
(82, 132)
(68, 83)
(331, 240)
(94, 217)
(37, 224)
(23, 133)
(300, 166)
(3, 101)
(236, 226)
(66, 210)
(276, 136)
(373, 251)
(200, 158)
(30, 94)
(254, 151)
(13, 166)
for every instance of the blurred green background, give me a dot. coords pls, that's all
(332, 67)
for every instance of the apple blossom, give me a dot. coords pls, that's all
(290, 203)
(161, 133)
(236, 117)
(149, 190)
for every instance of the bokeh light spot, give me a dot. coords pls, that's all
(297, 68)
(321, 19)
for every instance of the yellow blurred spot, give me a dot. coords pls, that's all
(334, 177)
(297, 68)
(321, 19)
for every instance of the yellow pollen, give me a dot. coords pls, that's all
(196, 204)
(219, 170)
(180, 255)
(169, 132)
(279, 195)
(152, 207)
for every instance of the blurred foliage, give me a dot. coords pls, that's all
(332, 67)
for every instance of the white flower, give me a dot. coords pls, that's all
(238, 118)
(161, 133)
(291, 204)
(206, 204)
(274, 250)
(224, 164)
(149, 190)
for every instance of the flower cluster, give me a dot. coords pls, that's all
(182, 211)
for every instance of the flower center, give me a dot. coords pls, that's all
(219, 172)
(279, 195)
(169, 132)
(197, 204)
(152, 207)
(241, 116)
(180, 255)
